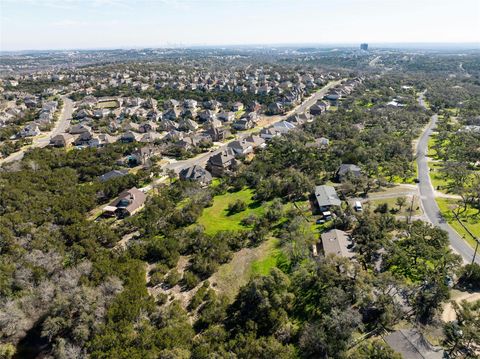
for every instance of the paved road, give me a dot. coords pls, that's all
(201, 159)
(427, 195)
(44, 139)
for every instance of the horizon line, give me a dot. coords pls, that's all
(470, 44)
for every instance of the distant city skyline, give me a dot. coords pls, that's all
(107, 24)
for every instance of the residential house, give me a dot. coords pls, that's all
(269, 133)
(226, 116)
(276, 108)
(221, 163)
(112, 174)
(101, 140)
(254, 107)
(62, 140)
(187, 125)
(167, 125)
(150, 137)
(411, 344)
(147, 127)
(206, 115)
(78, 129)
(196, 173)
(217, 134)
(129, 136)
(243, 124)
(190, 104)
(172, 114)
(83, 139)
(283, 126)
(346, 170)
(127, 203)
(212, 105)
(83, 113)
(29, 130)
(318, 108)
(241, 148)
(336, 242)
(326, 198)
(143, 155)
(256, 141)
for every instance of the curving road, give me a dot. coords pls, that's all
(44, 139)
(427, 195)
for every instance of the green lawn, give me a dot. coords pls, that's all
(245, 264)
(108, 104)
(216, 218)
(438, 181)
(263, 265)
(431, 143)
(392, 205)
(470, 219)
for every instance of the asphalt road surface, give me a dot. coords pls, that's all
(201, 159)
(44, 139)
(427, 195)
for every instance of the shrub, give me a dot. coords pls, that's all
(172, 278)
(236, 207)
(190, 280)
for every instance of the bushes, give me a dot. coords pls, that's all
(470, 277)
(172, 278)
(236, 207)
(190, 280)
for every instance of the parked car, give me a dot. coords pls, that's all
(358, 206)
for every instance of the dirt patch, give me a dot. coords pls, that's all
(449, 314)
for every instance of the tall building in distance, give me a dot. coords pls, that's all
(364, 47)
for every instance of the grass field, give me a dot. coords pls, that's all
(438, 182)
(392, 205)
(245, 264)
(431, 143)
(262, 266)
(470, 219)
(216, 218)
(108, 104)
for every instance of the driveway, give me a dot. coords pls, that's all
(427, 195)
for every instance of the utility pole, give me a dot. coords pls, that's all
(477, 241)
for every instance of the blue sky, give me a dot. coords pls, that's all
(80, 24)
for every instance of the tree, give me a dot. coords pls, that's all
(470, 276)
(462, 337)
(376, 349)
(368, 237)
(329, 336)
(262, 305)
(400, 202)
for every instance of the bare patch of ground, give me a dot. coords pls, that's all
(449, 314)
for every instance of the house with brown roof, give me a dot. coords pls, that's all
(126, 204)
(221, 163)
(62, 140)
(336, 242)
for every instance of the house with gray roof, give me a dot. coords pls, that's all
(326, 197)
(411, 344)
(196, 173)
